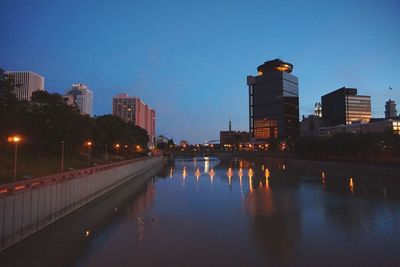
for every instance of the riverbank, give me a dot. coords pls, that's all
(389, 167)
(29, 206)
(29, 165)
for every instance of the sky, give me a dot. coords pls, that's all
(189, 59)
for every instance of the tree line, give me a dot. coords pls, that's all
(47, 120)
(350, 146)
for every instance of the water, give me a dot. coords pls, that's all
(201, 212)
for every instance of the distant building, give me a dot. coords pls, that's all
(318, 109)
(184, 143)
(273, 101)
(233, 137)
(80, 97)
(25, 83)
(390, 109)
(344, 106)
(310, 126)
(132, 109)
(161, 139)
(378, 126)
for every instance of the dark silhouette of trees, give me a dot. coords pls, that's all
(8, 104)
(347, 145)
(47, 120)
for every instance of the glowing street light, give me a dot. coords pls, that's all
(89, 145)
(15, 139)
(117, 148)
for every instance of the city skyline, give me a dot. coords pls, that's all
(129, 51)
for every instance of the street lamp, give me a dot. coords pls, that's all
(106, 153)
(117, 148)
(89, 145)
(62, 156)
(15, 139)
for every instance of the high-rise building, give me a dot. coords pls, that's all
(344, 106)
(318, 109)
(25, 83)
(390, 109)
(273, 101)
(133, 109)
(80, 97)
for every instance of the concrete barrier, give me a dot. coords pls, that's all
(28, 206)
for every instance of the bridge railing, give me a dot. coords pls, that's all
(21, 185)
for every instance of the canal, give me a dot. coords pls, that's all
(203, 212)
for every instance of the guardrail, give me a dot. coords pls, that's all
(26, 206)
(20, 186)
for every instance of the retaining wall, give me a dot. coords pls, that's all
(28, 206)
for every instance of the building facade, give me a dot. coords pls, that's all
(318, 109)
(344, 106)
(80, 97)
(273, 101)
(379, 126)
(25, 83)
(390, 109)
(233, 137)
(310, 126)
(134, 110)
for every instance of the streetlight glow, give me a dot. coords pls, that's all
(15, 139)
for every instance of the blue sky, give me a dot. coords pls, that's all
(189, 59)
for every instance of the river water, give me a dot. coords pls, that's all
(203, 212)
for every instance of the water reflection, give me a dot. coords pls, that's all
(197, 173)
(351, 185)
(280, 216)
(206, 165)
(212, 174)
(184, 172)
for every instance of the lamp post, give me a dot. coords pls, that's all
(117, 148)
(89, 145)
(105, 153)
(62, 156)
(126, 151)
(15, 139)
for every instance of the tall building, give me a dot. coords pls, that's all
(80, 97)
(26, 82)
(390, 109)
(233, 137)
(344, 106)
(132, 109)
(273, 101)
(310, 126)
(318, 109)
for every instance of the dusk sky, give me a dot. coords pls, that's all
(189, 59)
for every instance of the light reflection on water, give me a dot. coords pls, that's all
(269, 212)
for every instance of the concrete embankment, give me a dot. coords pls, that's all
(28, 206)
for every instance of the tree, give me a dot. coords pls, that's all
(8, 104)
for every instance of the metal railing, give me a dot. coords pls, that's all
(19, 186)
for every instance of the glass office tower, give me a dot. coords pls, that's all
(344, 106)
(273, 101)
